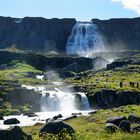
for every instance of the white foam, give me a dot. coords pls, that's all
(85, 39)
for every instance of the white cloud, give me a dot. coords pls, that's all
(130, 4)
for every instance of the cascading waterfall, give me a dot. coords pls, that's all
(62, 101)
(58, 100)
(84, 39)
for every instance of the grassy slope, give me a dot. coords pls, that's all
(92, 127)
(109, 79)
(88, 128)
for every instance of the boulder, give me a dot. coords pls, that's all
(55, 127)
(16, 133)
(133, 118)
(11, 121)
(116, 120)
(125, 126)
(111, 128)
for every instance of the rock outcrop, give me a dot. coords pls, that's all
(110, 98)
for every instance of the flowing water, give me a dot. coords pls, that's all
(84, 39)
(52, 103)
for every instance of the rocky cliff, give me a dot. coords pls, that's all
(38, 34)
(120, 33)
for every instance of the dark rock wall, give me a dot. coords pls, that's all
(120, 33)
(42, 62)
(110, 99)
(38, 34)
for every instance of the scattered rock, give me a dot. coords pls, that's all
(111, 128)
(116, 120)
(57, 117)
(125, 126)
(75, 114)
(4, 134)
(134, 119)
(135, 129)
(93, 112)
(11, 121)
(48, 119)
(55, 127)
(71, 117)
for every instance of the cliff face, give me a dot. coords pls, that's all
(38, 34)
(120, 33)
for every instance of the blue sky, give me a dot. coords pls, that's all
(79, 9)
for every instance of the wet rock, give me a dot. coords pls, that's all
(1, 117)
(125, 126)
(133, 118)
(116, 120)
(77, 114)
(93, 112)
(111, 128)
(47, 120)
(11, 121)
(57, 117)
(55, 127)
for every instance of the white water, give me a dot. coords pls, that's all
(85, 39)
(57, 100)
(84, 100)
(40, 77)
(52, 103)
(40, 118)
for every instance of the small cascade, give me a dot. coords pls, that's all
(84, 100)
(85, 38)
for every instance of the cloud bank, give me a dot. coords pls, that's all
(130, 4)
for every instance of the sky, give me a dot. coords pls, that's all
(79, 9)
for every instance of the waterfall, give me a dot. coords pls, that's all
(58, 100)
(84, 39)
(84, 100)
